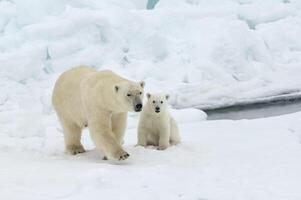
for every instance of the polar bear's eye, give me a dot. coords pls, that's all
(140, 93)
(128, 95)
(154, 102)
(161, 102)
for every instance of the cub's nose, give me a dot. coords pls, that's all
(157, 109)
(138, 107)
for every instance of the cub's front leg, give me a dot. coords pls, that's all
(164, 135)
(103, 137)
(142, 136)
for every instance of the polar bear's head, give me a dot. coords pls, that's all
(130, 95)
(157, 102)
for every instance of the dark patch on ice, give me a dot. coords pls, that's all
(47, 62)
(151, 4)
(257, 109)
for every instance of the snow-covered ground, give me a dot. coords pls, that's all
(223, 160)
(204, 53)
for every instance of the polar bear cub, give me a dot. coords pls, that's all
(156, 126)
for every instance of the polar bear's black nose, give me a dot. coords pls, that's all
(138, 107)
(157, 109)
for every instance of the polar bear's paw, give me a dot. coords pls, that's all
(75, 149)
(121, 155)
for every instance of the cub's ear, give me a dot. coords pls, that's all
(116, 88)
(142, 84)
(148, 95)
(167, 96)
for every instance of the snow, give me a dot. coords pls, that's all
(204, 53)
(245, 159)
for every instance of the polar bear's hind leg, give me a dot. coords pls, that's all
(72, 136)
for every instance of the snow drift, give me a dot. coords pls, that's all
(202, 52)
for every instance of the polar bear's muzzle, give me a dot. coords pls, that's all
(138, 107)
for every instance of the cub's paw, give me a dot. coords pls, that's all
(162, 147)
(121, 155)
(174, 142)
(141, 145)
(75, 149)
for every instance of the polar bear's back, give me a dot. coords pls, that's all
(79, 84)
(66, 93)
(68, 84)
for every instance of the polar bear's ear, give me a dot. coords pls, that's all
(167, 96)
(142, 84)
(116, 88)
(148, 95)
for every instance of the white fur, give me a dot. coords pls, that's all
(158, 129)
(85, 97)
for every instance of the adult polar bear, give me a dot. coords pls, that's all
(100, 100)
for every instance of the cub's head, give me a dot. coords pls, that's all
(130, 95)
(157, 103)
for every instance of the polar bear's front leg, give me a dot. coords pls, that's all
(103, 137)
(119, 125)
